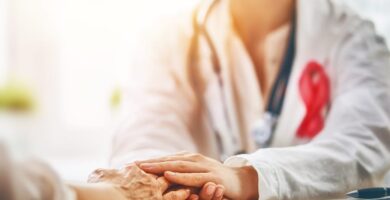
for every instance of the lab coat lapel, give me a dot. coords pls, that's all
(226, 116)
(249, 100)
(242, 91)
(308, 48)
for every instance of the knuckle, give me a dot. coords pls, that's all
(98, 171)
(181, 166)
(160, 165)
(197, 178)
(196, 156)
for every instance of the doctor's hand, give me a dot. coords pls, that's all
(134, 184)
(196, 170)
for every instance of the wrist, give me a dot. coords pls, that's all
(97, 191)
(248, 179)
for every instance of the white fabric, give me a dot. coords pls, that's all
(30, 180)
(164, 116)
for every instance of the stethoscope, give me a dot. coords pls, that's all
(264, 128)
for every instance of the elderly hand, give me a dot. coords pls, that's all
(195, 170)
(135, 184)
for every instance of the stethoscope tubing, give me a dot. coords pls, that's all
(200, 21)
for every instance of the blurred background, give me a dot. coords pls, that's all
(62, 64)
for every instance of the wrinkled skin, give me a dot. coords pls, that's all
(134, 183)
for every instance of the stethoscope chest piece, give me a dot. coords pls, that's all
(262, 130)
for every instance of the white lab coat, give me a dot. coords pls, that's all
(163, 114)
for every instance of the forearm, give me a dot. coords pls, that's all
(97, 191)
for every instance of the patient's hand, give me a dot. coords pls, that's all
(136, 184)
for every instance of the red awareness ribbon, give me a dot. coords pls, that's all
(314, 86)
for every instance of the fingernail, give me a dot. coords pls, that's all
(219, 192)
(210, 189)
(193, 197)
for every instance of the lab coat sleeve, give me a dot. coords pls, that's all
(353, 150)
(158, 101)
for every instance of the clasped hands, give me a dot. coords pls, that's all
(181, 176)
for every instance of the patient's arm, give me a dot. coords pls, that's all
(33, 179)
(102, 191)
(97, 191)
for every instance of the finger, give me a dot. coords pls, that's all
(182, 157)
(175, 166)
(177, 156)
(181, 153)
(193, 197)
(208, 191)
(181, 194)
(164, 183)
(189, 179)
(218, 195)
(127, 165)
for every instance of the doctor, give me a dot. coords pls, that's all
(293, 97)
